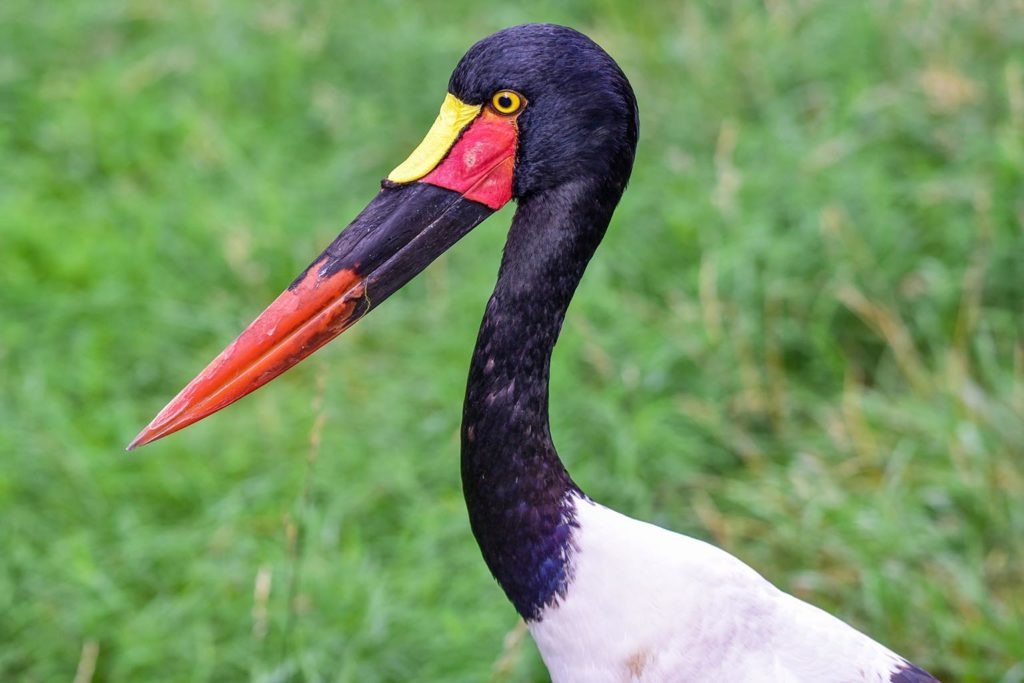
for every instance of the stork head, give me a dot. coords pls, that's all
(528, 109)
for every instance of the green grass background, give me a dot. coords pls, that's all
(802, 339)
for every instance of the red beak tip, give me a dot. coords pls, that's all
(147, 436)
(137, 441)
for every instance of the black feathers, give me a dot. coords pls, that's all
(908, 673)
(577, 138)
(515, 485)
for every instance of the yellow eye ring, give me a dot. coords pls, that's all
(507, 102)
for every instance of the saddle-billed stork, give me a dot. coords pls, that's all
(542, 114)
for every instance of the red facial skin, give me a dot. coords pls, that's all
(479, 165)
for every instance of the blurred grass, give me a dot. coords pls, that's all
(802, 340)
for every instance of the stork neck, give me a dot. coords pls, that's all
(515, 485)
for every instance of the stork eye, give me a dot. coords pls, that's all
(507, 102)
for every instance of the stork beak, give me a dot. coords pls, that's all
(458, 176)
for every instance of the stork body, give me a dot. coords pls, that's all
(646, 604)
(542, 114)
